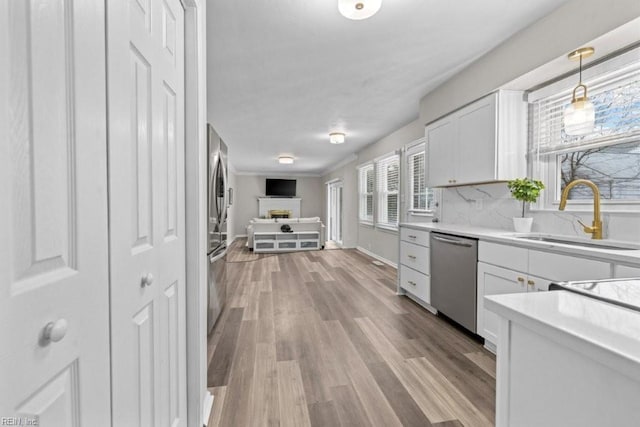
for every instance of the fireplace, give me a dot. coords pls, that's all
(279, 213)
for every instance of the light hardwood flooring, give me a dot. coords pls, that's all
(321, 339)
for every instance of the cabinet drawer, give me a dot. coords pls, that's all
(419, 237)
(415, 283)
(511, 257)
(414, 256)
(562, 267)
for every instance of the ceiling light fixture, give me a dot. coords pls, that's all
(579, 117)
(359, 9)
(336, 137)
(285, 160)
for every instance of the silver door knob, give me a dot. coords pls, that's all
(55, 331)
(146, 280)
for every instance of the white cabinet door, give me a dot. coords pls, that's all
(53, 221)
(441, 152)
(537, 284)
(477, 142)
(146, 186)
(494, 280)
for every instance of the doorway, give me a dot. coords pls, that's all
(334, 211)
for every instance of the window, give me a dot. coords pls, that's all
(365, 193)
(610, 155)
(388, 189)
(421, 198)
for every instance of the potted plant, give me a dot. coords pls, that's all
(527, 191)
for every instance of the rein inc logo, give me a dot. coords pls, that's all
(19, 421)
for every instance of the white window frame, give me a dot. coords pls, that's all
(546, 167)
(411, 150)
(363, 218)
(382, 192)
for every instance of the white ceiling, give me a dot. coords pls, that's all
(282, 74)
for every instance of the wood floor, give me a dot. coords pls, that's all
(320, 339)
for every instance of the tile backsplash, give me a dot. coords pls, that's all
(491, 205)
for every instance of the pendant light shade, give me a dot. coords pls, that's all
(359, 9)
(579, 117)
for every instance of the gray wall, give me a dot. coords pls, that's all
(383, 243)
(249, 187)
(349, 177)
(571, 26)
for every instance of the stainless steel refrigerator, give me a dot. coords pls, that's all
(217, 202)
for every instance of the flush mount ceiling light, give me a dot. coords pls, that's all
(579, 117)
(359, 9)
(285, 160)
(336, 137)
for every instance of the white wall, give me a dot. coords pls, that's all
(249, 187)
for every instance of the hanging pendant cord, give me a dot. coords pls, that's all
(580, 77)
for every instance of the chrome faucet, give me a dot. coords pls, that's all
(596, 226)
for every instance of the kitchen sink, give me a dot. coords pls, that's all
(596, 244)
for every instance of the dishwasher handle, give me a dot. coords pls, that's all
(452, 241)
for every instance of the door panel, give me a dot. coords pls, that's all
(441, 152)
(53, 226)
(146, 184)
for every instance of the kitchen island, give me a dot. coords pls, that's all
(566, 360)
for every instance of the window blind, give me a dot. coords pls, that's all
(418, 187)
(388, 186)
(365, 193)
(616, 98)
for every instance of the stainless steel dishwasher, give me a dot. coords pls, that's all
(454, 263)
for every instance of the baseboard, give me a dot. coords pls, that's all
(207, 408)
(421, 303)
(378, 257)
(239, 236)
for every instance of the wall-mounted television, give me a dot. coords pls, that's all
(281, 187)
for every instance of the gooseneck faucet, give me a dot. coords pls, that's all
(596, 226)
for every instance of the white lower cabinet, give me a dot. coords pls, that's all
(621, 271)
(416, 283)
(504, 269)
(494, 280)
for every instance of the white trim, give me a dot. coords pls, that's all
(332, 181)
(208, 407)
(344, 162)
(365, 164)
(378, 257)
(387, 155)
(196, 208)
(411, 145)
(421, 303)
(239, 236)
(280, 174)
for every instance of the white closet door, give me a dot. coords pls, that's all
(146, 202)
(53, 219)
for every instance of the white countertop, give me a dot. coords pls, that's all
(510, 238)
(605, 332)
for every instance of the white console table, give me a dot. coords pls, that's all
(286, 242)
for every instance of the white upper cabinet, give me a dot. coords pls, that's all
(482, 142)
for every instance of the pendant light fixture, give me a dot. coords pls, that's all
(359, 9)
(579, 117)
(336, 137)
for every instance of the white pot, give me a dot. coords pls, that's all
(522, 225)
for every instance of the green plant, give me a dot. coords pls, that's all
(526, 190)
